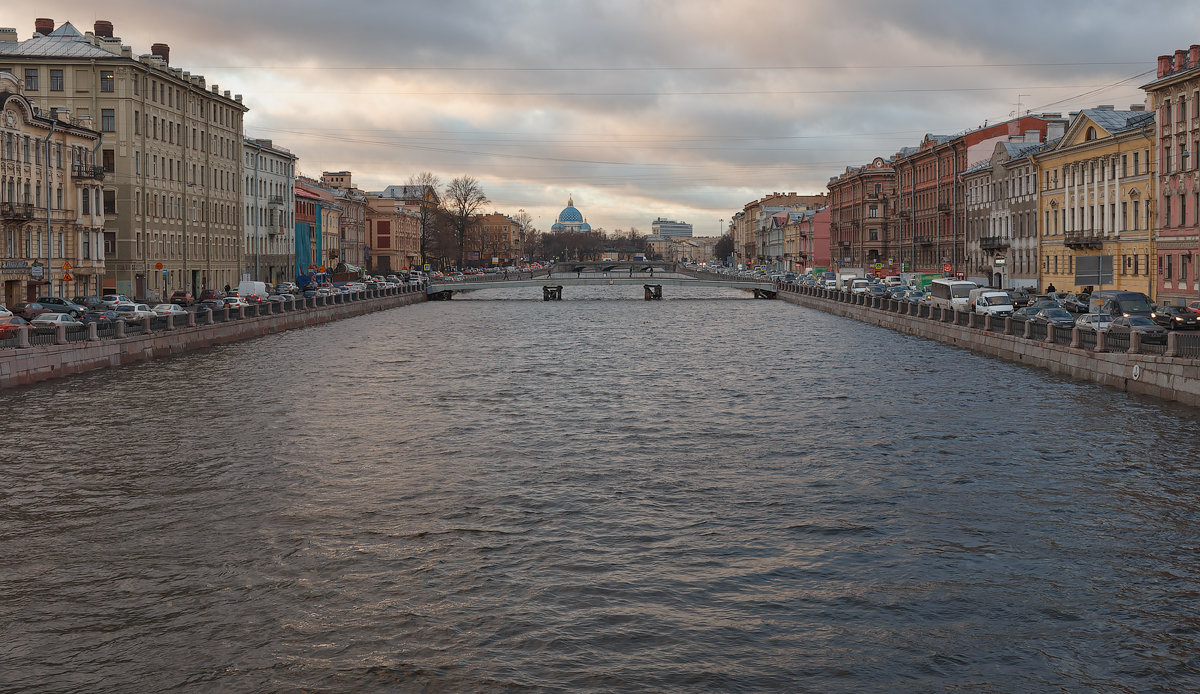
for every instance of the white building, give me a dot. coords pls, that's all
(270, 207)
(669, 229)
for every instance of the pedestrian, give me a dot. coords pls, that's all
(1051, 289)
(227, 289)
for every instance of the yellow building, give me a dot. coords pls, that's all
(1097, 201)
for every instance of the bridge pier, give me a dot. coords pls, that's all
(653, 291)
(440, 296)
(763, 294)
(550, 293)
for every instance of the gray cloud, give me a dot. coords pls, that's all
(684, 108)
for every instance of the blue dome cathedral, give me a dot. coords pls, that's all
(570, 219)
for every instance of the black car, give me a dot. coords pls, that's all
(1020, 297)
(1149, 331)
(1075, 303)
(1055, 316)
(89, 302)
(100, 317)
(1176, 318)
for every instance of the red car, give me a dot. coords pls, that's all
(9, 325)
(210, 294)
(183, 298)
(32, 310)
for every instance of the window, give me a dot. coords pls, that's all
(109, 160)
(107, 81)
(56, 80)
(873, 211)
(87, 244)
(87, 204)
(1136, 169)
(31, 79)
(108, 120)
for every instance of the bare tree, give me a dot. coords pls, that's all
(428, 183)
(464, 200)
(526, 234)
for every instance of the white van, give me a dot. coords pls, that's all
(992, 302)
(859, 286)
(253, 291)
(949, 293)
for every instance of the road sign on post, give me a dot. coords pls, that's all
(67, 266)
(158, 266)
(947, 267)
(67, 277)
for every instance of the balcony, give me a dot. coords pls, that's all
(1082, 239)
(276, 200)
(923, 240)
(87, 171)
(943, 207)
(16, 211)
(993, 243)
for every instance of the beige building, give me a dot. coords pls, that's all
(495, 236)
(393, 234)
(352, 230)
(171, 149)
(50, 202)
(1096, 202)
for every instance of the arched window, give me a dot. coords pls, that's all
(1091, 134)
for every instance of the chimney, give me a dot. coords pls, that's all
(1106, 107)
(163, 51)
(1055, 130)
(43, 26)
(1137, 107)
(8, 35)
(1164, 65)
(1180, 59)
(103, 29)
(1194, 56)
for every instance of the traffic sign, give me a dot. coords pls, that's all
(67, 277)
(427, 267)
(878, 266)
(67, 265)
(321, 269)
(312, 267)
(947, 267)
(158, 266)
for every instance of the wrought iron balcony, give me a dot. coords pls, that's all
(87, 171)
(924, 240)
(943, 207)
(993, 243)
(275, 200)
(1083, 239)
(16, 211)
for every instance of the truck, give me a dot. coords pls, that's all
(847, 275)
(253, 291)
(990, 301)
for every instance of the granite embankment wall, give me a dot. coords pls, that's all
(1169, 378)
(22, 366)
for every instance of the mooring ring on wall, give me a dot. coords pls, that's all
(1137, 371)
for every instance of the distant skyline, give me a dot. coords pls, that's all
(672, 108)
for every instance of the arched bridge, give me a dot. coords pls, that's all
(553, 284)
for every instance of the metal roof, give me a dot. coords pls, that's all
(63, 42)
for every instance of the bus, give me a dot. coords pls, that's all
(950, 293)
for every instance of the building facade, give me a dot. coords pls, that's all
(669, 229)
(863, 227)
(269, 199)
(393, 233)
(1175, 97)
(50, 202)
(170, 146)
(1001, 198)
(1096, 188)
(352, 224)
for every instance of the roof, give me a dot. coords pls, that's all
(65, 41)
(1119, 121)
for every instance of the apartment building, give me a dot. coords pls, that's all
(269, 197)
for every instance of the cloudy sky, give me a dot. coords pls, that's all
(685, 109)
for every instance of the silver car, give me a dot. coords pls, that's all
(1094, 321)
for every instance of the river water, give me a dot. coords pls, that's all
(704, 493)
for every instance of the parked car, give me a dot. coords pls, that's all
(209, 294)
(287, 288)
(4, 312)
(1194, 306)
(1075, 303)
(1027, 312)
(9, 326)
(1021, 298)
(235, 301)
(1055, 316)
(1094, 321)
(89, 302)
(31, 310)
(1149, 331)
(110, 301)
(214, 304)
(183, 298)
(100, 317)
(50, 321)
(1175, 318)
(131, 311)
(61, 305)
(171, 309)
